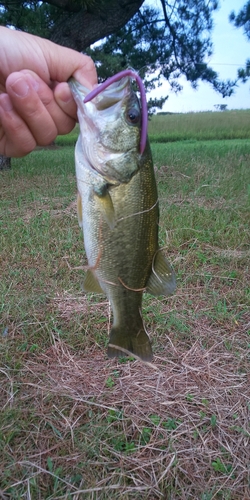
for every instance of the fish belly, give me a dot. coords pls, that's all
(121, 257)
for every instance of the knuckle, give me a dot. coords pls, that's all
(47, 139)
(89, 63)
(26, 146)
(66, 126)
(20, 149)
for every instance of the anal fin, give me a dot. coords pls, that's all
(162, 279)
(91, 283)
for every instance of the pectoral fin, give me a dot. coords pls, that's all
(90, 283)
(79, 209)
(162, 279)
(106, 206)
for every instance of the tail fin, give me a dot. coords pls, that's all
(138, 344)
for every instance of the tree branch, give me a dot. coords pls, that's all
(170, 27)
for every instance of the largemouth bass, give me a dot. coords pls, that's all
(118, 208)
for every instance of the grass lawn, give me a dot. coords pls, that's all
(75, 424)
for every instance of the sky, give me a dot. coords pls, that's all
(231, 49)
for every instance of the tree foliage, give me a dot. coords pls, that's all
(161, 43)
(242, 20)
(73, 23)
(166, 44)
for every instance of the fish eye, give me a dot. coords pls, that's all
(133, 116)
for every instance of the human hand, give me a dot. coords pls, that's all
(35, 101)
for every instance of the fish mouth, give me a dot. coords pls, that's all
(112, 91)
(113, 94)
(105, 97)
(114, 86)
(98, 111)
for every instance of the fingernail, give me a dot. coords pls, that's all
(6, 103)
(20, 87)
(33, 82)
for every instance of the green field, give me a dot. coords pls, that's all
(77, 425)
(189, 126)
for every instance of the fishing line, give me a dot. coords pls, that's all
(139, 213)
(131, 289)
(129, 353)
